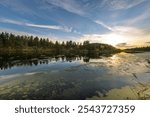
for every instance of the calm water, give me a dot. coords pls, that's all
(120, 76)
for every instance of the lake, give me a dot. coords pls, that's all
(119, 76)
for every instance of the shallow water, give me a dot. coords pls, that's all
(120, 76)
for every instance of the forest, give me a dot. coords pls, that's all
(11, 44)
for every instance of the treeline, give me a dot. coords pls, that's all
(10, 43)
(139, 49)
(16, 41)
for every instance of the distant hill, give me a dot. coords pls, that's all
(138, 49)
(96, 49)
(100, 47)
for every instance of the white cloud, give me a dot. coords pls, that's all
(103, 24)
(121, 4)
(68, 5)
(123, 32)
(143, 16)
(53, 27)
(4, 20)
(44, 26)
(119, 29)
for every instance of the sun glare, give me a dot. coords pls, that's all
(114, 39)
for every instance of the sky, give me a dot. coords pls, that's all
(121, 23)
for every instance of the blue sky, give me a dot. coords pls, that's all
(116, 22)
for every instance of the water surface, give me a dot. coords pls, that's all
(120, 76)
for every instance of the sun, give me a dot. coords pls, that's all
(114, 39)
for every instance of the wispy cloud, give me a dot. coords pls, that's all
(137, 19)
(68, 5)
(52, 27)
(90, 19)
(127, 31)
(18, 5)
(119, 34)
(121, 4)
(103, 24)
(119, 29)
(125, 45)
